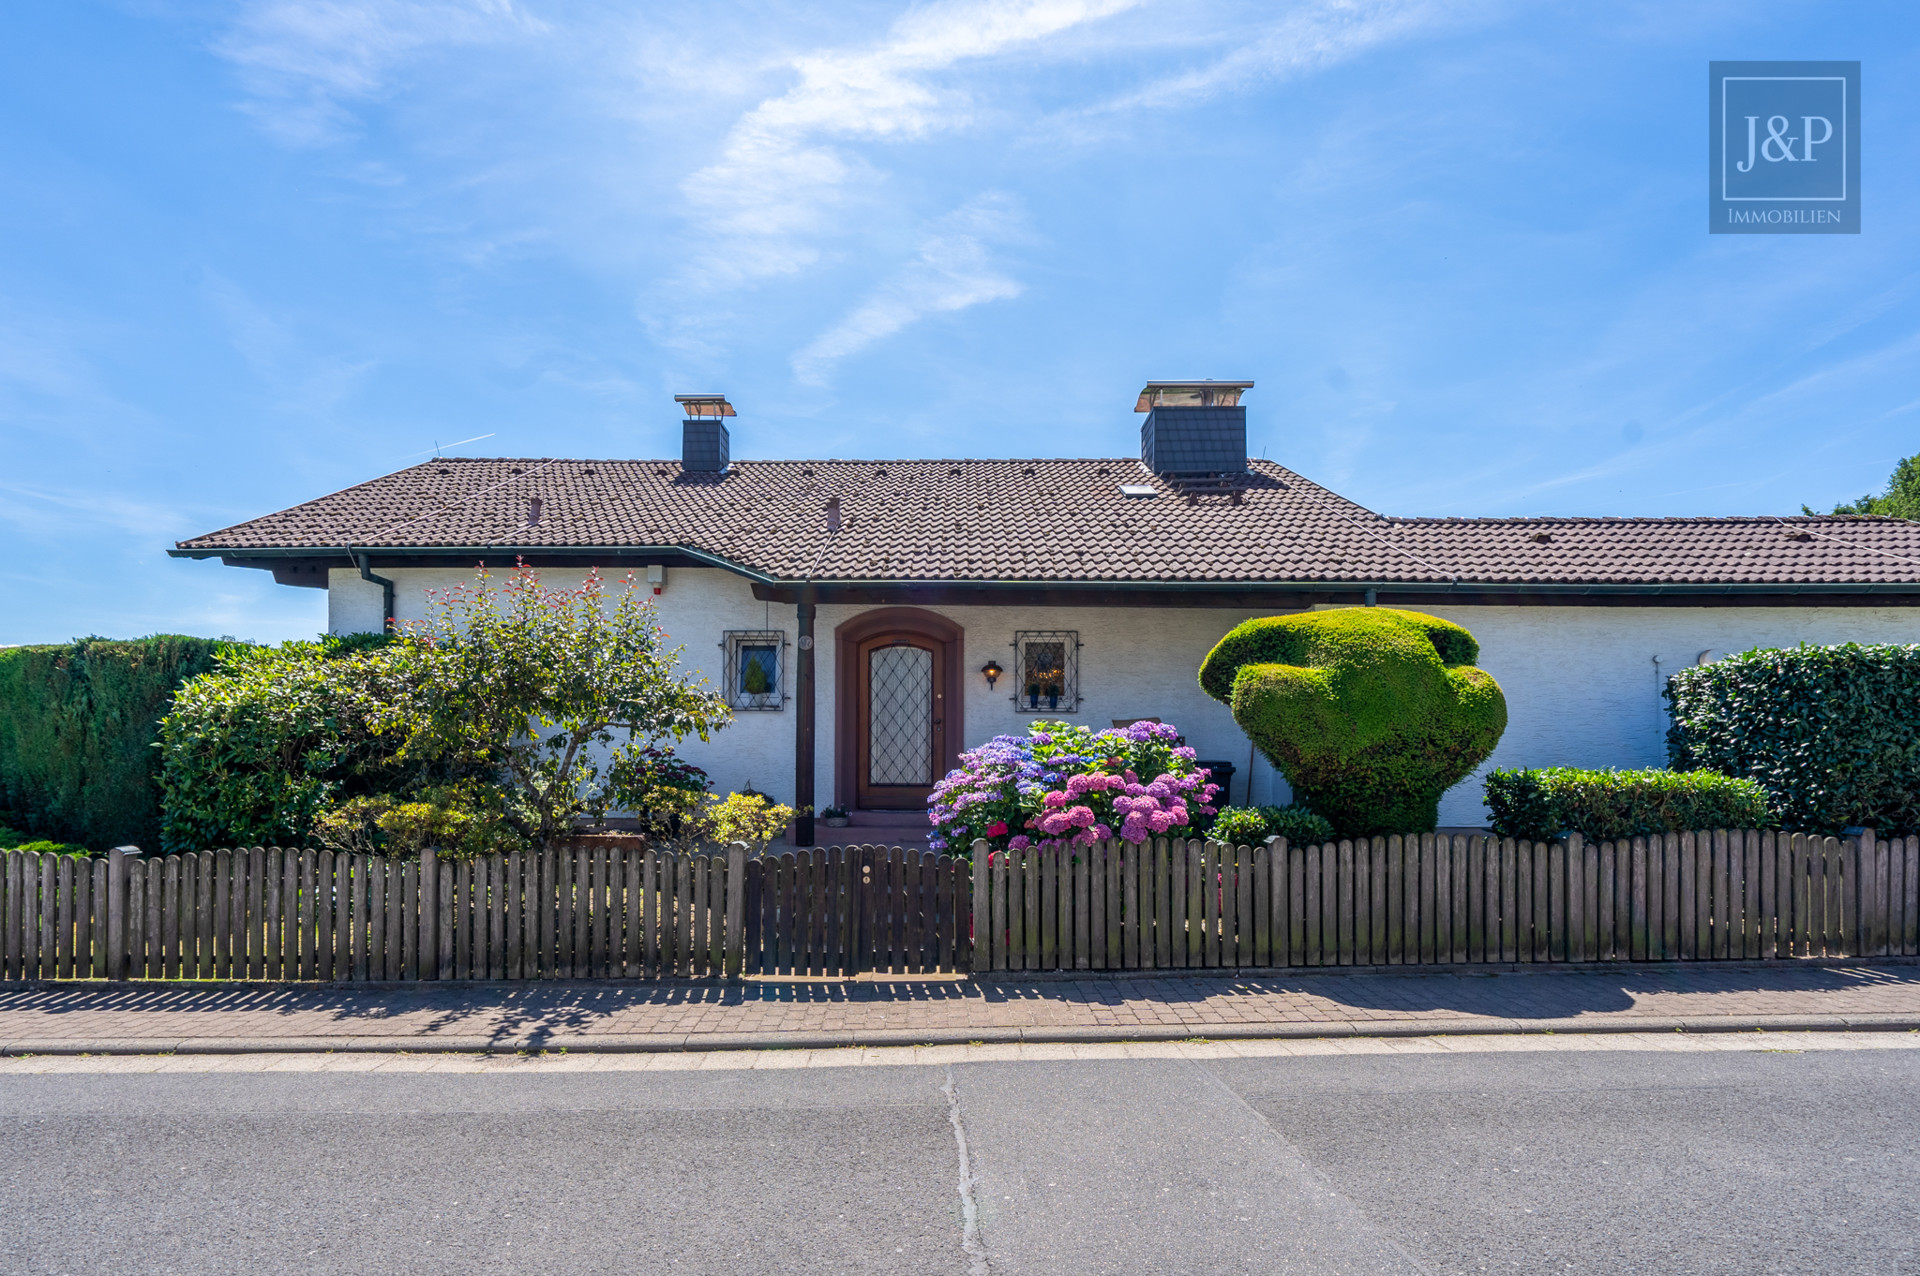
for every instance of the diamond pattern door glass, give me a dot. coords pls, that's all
(900, 725)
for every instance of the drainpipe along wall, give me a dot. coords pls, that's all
(386, 591)
(803, 699)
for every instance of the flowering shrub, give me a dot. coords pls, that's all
(1066, 785)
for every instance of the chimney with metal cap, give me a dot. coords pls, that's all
(703, 436)
(1193, 428)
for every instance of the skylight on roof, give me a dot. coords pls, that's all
(1138, 489)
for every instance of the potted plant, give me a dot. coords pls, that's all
(834, 817)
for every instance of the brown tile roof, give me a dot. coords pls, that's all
(1048, 521)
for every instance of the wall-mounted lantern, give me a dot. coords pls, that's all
(992, 670)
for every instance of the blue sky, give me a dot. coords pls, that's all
(254, 252)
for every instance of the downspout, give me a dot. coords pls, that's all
(386, 591)
(803, 737)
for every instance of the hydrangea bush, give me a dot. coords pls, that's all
(1062, 785)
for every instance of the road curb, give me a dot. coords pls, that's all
(660, 1043)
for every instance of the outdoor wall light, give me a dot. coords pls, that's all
(992, 670)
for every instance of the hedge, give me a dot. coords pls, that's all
(1832, 733)
(77, 726)
(1609, 805)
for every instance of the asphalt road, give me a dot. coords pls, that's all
(1504, 1163)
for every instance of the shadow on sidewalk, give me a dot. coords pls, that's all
(540, 1010)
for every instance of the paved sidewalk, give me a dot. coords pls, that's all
(52, 1018)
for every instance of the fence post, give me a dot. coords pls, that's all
(429, 914)
(118, 861)
(736, 908)
(982, 938)
(1870, 912)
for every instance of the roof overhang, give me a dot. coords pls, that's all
(291, 564)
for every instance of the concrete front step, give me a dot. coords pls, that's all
(895, 828)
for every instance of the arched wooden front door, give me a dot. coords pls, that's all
(899, 723)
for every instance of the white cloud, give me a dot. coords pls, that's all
(952, 271)
(779, 176)
(1314, 35)
(301, 59)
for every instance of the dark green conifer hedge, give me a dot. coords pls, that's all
(77, 726)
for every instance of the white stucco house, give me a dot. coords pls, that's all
(870, 619)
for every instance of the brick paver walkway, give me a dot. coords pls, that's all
(894, 1011)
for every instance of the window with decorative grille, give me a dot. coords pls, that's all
(1048, 663)
(756, 669)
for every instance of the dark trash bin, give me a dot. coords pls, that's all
(1222, 775)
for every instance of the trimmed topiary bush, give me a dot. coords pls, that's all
(1608, 805)
(1252, 825)
(1370, 712)
(1831, 733)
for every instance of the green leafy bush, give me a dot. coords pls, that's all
(745, 817)
(1297, 824)
(254, 751)
(1831, 733)
(665, 792)
(77, 726)
(1370, 712)
(1250, 826)
(1240, 825)
(548, 698)
(53, 848)
(353, 827)
(1539, 805)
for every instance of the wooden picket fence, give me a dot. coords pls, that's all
(264, 913)
(611, 913)
(1445, 900)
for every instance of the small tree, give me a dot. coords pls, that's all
(1900, 500)
(558, 690)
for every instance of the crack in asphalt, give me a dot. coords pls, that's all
(969, 1211)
